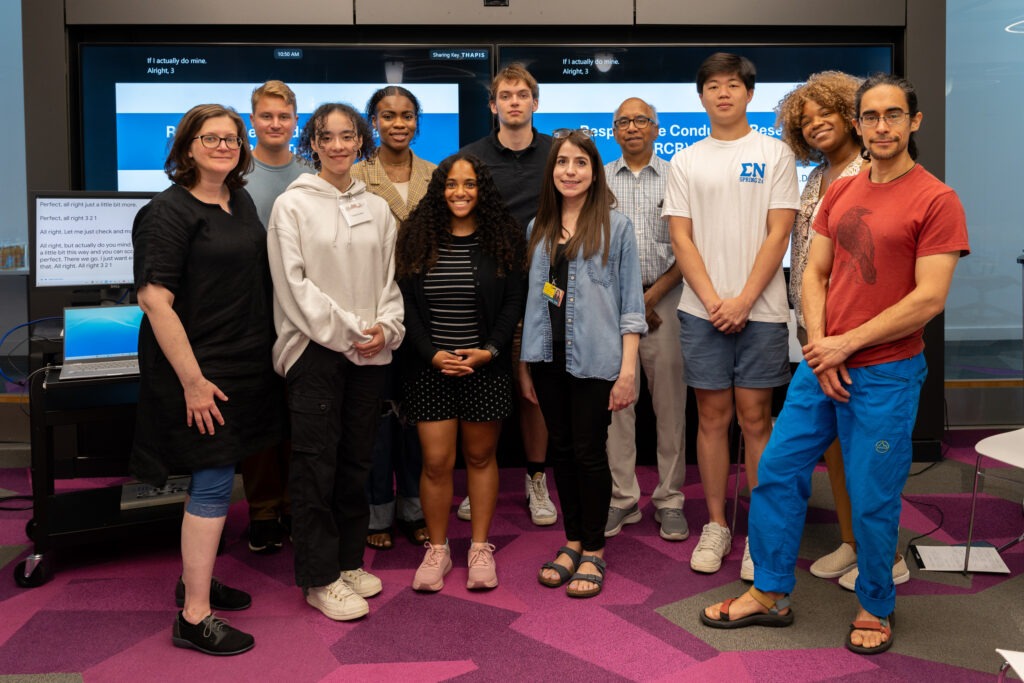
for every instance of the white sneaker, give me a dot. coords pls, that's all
(362, 583)
(464, 513)
(900, 574)
(337, 601)
(836, 563)
(542, 510)
(714, 544)
(747, 565)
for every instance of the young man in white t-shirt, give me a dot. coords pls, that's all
(730, 200)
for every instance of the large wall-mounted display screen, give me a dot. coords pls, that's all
(581, 86)
(132, 96)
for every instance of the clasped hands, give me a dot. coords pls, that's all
(460, 362)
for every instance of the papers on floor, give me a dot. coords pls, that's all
(941, 558)
(1016, 659)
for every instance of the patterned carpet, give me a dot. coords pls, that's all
(107, 612)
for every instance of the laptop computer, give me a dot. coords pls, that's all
(101, 341)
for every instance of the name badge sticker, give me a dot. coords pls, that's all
(355, 212)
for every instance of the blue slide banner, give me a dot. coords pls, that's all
(143, 140)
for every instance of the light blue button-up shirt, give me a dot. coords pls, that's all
(602, 303)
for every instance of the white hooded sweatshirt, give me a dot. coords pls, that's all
(332, 259)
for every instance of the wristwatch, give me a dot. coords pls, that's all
(492, 349)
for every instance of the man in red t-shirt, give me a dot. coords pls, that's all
(888, 243)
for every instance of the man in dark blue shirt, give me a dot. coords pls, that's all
(516, 154)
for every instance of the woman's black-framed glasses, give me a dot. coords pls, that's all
(213, 141)
(561, 133)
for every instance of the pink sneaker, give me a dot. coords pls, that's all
(433, 569)
(481, 567)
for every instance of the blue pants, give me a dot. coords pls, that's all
(397, 463)
(209, 491)
(874, 429)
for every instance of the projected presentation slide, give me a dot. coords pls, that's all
(134, 95)
(581, 86)
(147, 114)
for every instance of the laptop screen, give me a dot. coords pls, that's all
(101, 332)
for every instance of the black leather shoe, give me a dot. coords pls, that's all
(222, 597)
(212, 636)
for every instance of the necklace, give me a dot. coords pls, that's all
(837, 170)
(896, 178)
(403, 164)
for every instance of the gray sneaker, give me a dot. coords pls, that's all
(620, 517)
(673, 524)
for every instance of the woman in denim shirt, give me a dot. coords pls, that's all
(584, 317)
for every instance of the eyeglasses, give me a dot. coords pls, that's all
(213, 141)
(347, 138)
(892, 118)
(640, 122)
(561, 133)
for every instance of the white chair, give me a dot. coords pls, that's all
(1007, 448)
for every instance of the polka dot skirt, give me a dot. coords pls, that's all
(483, 396)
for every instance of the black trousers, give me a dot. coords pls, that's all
(577, 416)
(334, 406)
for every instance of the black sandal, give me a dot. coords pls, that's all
(564, 573)
(377, 532)
(596, 579)
(414, 530)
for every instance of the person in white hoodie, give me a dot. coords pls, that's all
(338, 314)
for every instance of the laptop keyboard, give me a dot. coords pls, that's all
(100, 369)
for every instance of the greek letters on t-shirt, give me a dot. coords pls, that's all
(752, 172)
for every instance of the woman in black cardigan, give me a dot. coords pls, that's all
(460, 260)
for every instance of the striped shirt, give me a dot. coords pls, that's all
(451, 296)
(640, 197)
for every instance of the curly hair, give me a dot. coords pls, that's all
(832, 89)
(428, 227)
(315, 125)
(181, 168)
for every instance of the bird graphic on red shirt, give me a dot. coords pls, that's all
(854, 235)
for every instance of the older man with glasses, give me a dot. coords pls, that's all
(637, 179)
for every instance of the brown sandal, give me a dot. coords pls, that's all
(772, 618)
(883, 625)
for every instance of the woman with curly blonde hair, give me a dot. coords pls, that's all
(817, 123)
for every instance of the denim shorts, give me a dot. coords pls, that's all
(757, 357)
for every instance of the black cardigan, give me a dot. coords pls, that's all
(499, 303)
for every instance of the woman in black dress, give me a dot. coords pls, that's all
(208, 395)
